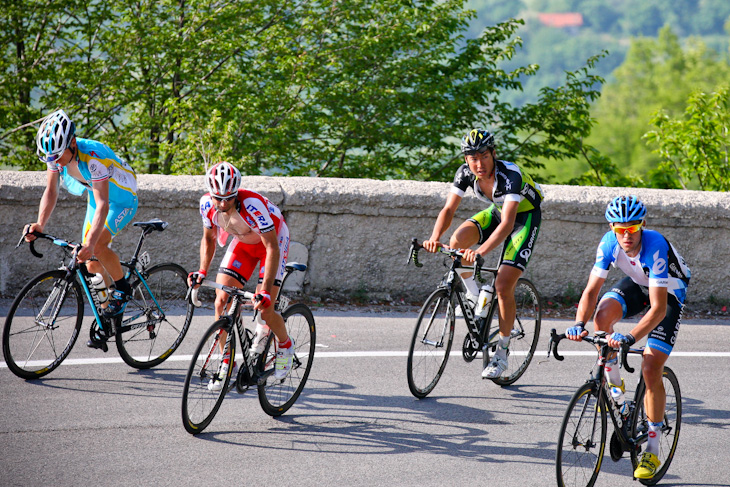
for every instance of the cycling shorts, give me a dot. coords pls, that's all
(634, 299)
(120, 214)
(519, 244)
(241, 259)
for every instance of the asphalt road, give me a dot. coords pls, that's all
(103, 423)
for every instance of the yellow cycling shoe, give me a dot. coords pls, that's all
(647, 466)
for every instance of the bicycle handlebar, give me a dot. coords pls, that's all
(415, 247)
(595, 340)
(234, 291)
(56, 241)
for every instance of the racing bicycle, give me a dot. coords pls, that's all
(200, 403)
(582, 439)
(434, 332)
(45, 318)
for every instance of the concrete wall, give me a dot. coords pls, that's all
(354, 234)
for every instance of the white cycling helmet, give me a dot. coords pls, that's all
(223, 180)
(54, 136)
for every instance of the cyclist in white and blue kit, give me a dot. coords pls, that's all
(657, 277)
(85, 166)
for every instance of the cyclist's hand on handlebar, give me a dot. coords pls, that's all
(432, 245)
(615, 340)
(195, 278)
(576, 332)
(261, 300)
(29, 229)
(469, 255)
(85, 253)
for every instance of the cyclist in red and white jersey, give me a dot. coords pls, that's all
(260, 234)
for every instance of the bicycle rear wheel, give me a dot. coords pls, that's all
(669, 435)
(42, 325)
(430, 343)
(156, 318)
(582, 439)
(277, 396)
(525, 332)
(201, 401)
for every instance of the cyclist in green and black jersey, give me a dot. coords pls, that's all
(513, 219)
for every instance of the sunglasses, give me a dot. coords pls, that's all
(224, 198)
(630, 229)
(51, 158)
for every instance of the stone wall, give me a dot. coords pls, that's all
(354, 234)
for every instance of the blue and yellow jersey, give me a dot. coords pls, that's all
(97, 162)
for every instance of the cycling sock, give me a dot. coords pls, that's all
(652, 443)
(123, 286)
(471, 285)
(286, 344)
(503, 344)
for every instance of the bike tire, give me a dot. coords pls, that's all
(33, 350)
(430, 343)
(525, 332)
(199, 403)
(149, 336)
(277, 396)
(578, 458)
(670, 430)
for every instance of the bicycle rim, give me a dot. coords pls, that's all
(669, 435)
(151, 333)
(525, 332)
(199, 403)
(430, 344)
(277, 396)
(43, 324)
(582, 440)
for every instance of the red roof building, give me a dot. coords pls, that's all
(562, 20)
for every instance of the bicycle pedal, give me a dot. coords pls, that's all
(98, 344)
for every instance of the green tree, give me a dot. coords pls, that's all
(657, 74)
(695, 147)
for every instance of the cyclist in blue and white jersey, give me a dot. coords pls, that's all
(657, 277)
(87, 166)
(513, 219)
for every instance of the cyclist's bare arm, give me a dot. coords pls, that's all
(500, 234)
(587, 303)
(271, 265)
(443, 222)
(207, 247)
(48, 203)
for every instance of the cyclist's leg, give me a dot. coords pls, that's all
(120, 215)
(474, 231)
(658, 347)
(625, 299)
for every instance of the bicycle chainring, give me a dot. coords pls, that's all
(470, 348)
(615, 448)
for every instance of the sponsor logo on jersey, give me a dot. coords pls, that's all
(599, 254)
(236, 264)
(660, 264)
(525, 254)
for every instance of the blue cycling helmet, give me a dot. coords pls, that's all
(624, 209)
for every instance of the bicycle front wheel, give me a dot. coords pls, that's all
(42, 325)
(525, 332)
(157, 317)
(430, 343)
(582, 439)
(669, 435)
(202, 397)
(277, 396)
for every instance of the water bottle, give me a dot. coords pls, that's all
(485, 297)
(97, 282)
(619, 398)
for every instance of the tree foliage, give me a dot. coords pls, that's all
(379, 89)
(695, 146)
